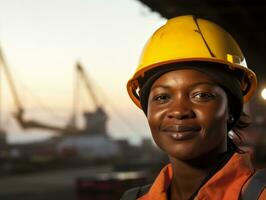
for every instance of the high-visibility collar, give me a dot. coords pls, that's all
(224, 184)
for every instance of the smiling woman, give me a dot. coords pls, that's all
(191, 83)
(187, 114)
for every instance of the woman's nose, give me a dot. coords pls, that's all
(180, 110)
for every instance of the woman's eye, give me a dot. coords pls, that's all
(203, 96)
(161, 98)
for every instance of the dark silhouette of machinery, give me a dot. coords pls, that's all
(95, 121)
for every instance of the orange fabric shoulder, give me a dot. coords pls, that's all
(227, 183)
(263, 195)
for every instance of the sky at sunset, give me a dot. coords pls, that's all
(43, 39)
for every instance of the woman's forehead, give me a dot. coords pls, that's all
(184, 76)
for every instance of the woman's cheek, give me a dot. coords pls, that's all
(220, 111)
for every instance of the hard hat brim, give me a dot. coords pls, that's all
(133, 85)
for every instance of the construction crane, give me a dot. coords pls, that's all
(20, 112)
(95, 122)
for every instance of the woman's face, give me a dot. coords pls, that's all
(187, 114)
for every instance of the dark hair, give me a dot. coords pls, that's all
(238, 130)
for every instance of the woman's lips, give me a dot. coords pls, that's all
(181, 132)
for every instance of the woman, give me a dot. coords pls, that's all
(191, 83)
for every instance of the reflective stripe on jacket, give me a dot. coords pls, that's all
(225, 184)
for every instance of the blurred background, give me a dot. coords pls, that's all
(68, 129)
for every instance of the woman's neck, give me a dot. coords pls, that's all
(188, 176)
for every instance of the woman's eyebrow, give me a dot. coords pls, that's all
(203, 83)
(212, 84)
(165, 86)
(161, 86)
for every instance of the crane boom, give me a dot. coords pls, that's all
(19, 114)
(10, 82)
(86, 79)
(34, 124)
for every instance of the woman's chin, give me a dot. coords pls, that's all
(182, 153)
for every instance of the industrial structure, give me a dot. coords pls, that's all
(95, 121)
(71, 145)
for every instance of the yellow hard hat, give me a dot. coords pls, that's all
(187, 38)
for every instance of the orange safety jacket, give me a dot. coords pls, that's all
(225, 184)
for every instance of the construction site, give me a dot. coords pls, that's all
(87, 154)
(82, 160)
